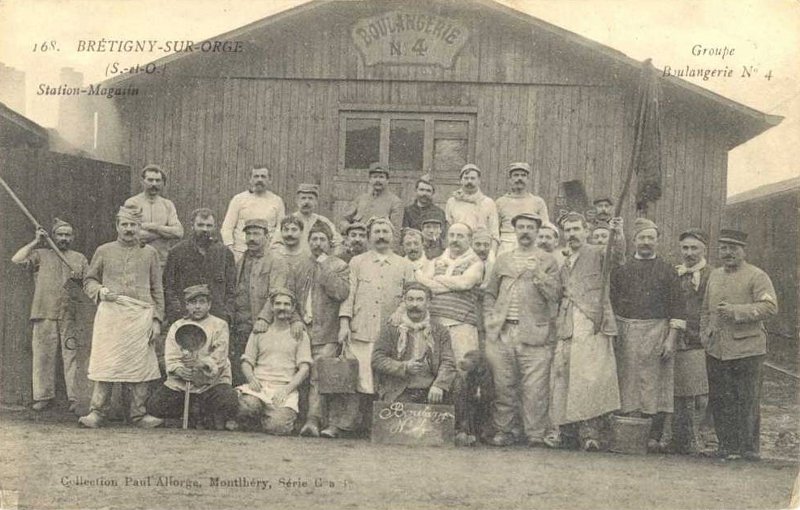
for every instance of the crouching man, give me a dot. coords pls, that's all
(274, 364)
(413, 361)
(206, 369)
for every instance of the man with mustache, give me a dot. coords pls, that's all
(377, 278)
(124, 278)
(432, 241)
(517, 201)
(423, 207)
(454, 279)
(548, 240)
(257, 202)
(160, 223)
(739, 298)
(585, 386)
(275, 363)
(321, 282)
(519, 309)
(52, 312)
(378, 202)
(288, 247)
(468, 205)
(412, 247)
(201, 259)
(307, 203)
(691, 381)
(259, 271)
(355, 242)
(413, 361)
(647, 299)
(604, 208)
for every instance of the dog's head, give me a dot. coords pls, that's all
(474, 362)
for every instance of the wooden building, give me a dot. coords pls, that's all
(83, 191)
(770, 214)
(320, 91)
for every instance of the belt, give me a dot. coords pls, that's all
(512, 321)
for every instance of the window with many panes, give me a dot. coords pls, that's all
(410, 143)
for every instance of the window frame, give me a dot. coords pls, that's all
(387, 113)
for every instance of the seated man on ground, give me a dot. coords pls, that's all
(413, 360)
(206, 369)
(274, 365)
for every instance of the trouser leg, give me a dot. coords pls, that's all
(69, 355)
(698, 416)
(220, 402)
(101, 398)
(534, 367)
(316, 400)
(166, 403)
(504, 373)
(236, 349)
(278, 421)
(45, 347)
(682, 422)
(139, 393)
(747, 377)
(722, 402)
(344, 410)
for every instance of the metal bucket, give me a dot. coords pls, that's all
(629, 434)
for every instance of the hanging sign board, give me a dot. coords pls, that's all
(409, 38)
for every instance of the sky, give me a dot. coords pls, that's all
(763, 34)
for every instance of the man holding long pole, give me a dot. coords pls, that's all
(52, 315)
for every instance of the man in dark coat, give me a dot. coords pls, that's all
(413, 362)
(691, 382)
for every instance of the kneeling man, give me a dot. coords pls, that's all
(274, 364)
(413, 361)
(207, 370)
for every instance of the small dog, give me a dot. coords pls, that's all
(478, 395)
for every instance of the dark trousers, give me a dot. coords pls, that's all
(235, 351)
(219, 403)
(734, 396)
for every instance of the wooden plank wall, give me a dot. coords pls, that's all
(86, 193)
(208, 134)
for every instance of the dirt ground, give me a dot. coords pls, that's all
(46, 461)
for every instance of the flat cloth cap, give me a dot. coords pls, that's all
(469, 167)
(482, 234)
(643, 224)
(308, 188)
(526, 216)
(356, 225)
(731, 236)
(696, 233)
(257, 222)
(281, 291)
(194, 291)
(378, 168)
(519, 166)
(432, 220)
(59, 223)
(603, 199)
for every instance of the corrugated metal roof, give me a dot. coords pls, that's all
(766, 190)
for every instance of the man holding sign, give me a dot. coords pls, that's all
(413, 362)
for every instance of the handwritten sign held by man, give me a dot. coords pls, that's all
(413, 424)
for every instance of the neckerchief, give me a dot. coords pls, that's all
(407, 325)
(694, 270)
(463, 197)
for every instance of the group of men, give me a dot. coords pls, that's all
(572, 333)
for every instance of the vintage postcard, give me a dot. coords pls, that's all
(399, 254)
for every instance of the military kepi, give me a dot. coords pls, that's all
(519, 166)
(731, 236)
(469, 167)
(308, 188)
(194, 291)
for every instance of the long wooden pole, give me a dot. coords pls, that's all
(637, 148)
(36, 224)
